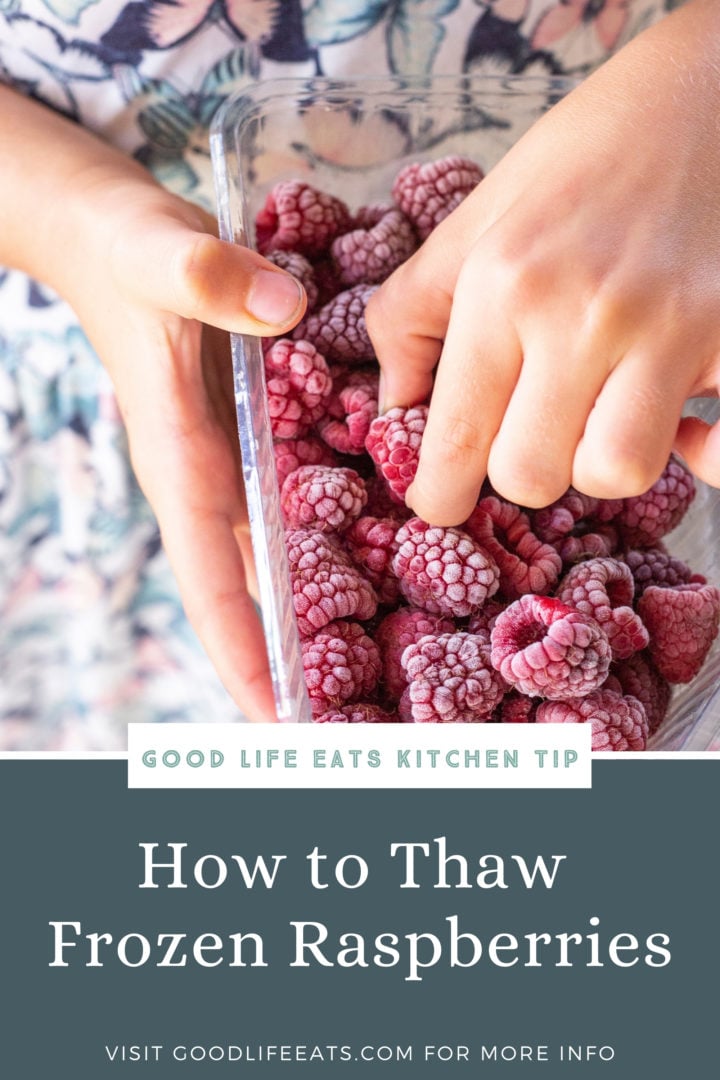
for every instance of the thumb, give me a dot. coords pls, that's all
(197, 276)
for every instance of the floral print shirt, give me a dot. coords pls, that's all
(92, 631)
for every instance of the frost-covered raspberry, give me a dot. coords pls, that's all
(393, 442)
(599, 542)
(359, 713)
(638, 676)
(558, 520)
(682, 623)
(604, 588)
(350, 410)
(526, 564)
(322, 497)
(369, 253)
(325, 583)
(338, 330)
(645, 519)
(300, 267)
(443, 570)
(298, 385)
(543, 648)
(484, 619)
(298, 217)
(372, 546)
(382, 504)
(451, 680)
(398, 630)
(618, 722)
(428, 193)
(341, 665)
(291, 454)
(654, 566)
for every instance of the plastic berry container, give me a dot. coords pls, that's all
(350, 138)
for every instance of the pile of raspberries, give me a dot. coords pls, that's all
(575, 613)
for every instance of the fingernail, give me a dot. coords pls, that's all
(274, 297)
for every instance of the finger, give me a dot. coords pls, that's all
(698, 443)
(408, 316)
(475, 378)
(630, 431)
(531, 459)
(197, 276)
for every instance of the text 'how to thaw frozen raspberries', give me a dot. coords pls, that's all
(575, 613)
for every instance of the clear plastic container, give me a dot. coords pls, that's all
(350, 138)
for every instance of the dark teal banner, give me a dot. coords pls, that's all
(437, 934)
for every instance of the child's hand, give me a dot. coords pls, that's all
(571, 302)
(154, 290)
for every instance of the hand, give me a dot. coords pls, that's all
(151, 286)
(569, 305)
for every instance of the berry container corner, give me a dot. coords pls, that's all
(349, 138)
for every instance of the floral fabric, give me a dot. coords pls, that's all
(92, 632)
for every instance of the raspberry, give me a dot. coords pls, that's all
(653, 566)
(359, 713)
(618, 722)
(393, 442)
(371, 543)
(325, 584)
(382, 504)
(451, 680)
(298, 217)
(297, 265)
(599, 544)
(373, 250)
(322, 497)
(517, 709)
(341, 664)
(558, 520)
(604, 588)
(290, 454)
(338, 329)
(545, 649)
(638, 676)
(526, 564)
(351, 408)
(442, 569)
(484, 619)
(428, 193)
(645, 519)
(298, 384)
(398, 630)
(682, 623)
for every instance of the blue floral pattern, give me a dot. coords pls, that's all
(93, 634)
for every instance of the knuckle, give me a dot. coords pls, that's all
(189, 276)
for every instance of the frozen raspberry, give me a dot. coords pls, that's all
(517, 709)
(618, 722)
(682, 623)
(290, 454)
(442, 569)
(555, 522)
(599, 542)
(638, 676)
(338, 329)
(428, 193)
(382, 504)
(298, 385)
(393, 442)
(341, 664)
(451, 680)
(325, 584)
(297, 265)
(359, 713)
(351, 408)
(526, 564)
(371, 252)
(322, 497)
(604, 588)
(398, 630)
(545, 649)
(484, 619)
(607, 510)
(372, 546)
(653, 566)
(298, 217)
(645, 519)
